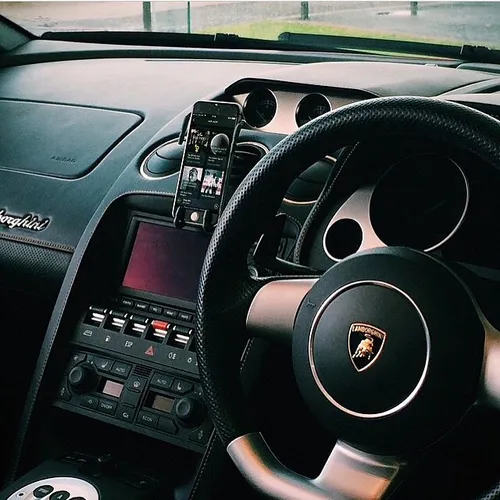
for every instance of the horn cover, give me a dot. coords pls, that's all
(388, 349)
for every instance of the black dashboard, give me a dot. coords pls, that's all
(88, 169)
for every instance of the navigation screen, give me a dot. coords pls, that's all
(166, 261)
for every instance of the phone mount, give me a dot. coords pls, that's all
(201, 218)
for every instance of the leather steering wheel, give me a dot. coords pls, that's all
(390, 346)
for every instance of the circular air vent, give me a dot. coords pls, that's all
(166, 160)
(163, 161)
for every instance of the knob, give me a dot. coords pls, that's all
(190, 411)
(83, 378)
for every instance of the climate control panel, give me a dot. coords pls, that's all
(156, 402)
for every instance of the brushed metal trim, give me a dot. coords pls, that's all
(274, 308)
(74, 486)
(287, 102)
(489, 389)
(305, 97)
(359, 475)
(357, 208)
(255, 144)
(420, 382)
(348, 474)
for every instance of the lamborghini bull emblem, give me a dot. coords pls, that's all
(365, 345)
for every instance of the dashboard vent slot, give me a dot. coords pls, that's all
(142, 370)
(246, 156)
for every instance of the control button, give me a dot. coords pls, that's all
(124, 413)
(97, 309)
(190, 412)
(155, 309)
(59, 495)
(126, 302)
(102, 364)
(107, 406)
(131, 398)
(142, 306)
(184, 330)
(167, 425)
(83, 378)
(118, 314)
(181, 386)
(160, 325)
(201, 435)
(139, 319)
(63, 392)
(121, 369)
(185, 317)
(78, 357)
(89, 401)
(170, 313)
(43, 491)
(195, 216)
(161, 381)
(147, 419)
(136, 383)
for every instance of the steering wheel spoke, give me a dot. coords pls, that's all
(347, 474)
(275, 306)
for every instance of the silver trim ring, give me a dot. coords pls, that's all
(297, 108)
(361, 215)
(412, 395)
(466, 207)
(142, 168)
(245, 102)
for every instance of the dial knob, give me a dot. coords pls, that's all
(190, 411)
(83, 378)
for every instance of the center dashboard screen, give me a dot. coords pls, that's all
(166, 261)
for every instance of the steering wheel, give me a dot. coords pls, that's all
(390, 346)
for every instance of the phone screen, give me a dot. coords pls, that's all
(207, 156)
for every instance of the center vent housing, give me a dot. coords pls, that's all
(165, 160)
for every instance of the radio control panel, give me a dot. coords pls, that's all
(133, 364)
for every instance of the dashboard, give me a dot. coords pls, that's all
(88, 172)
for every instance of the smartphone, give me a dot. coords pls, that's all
(206, 163)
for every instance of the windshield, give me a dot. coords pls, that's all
(453, 23)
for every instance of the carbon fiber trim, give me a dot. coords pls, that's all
(225, 288)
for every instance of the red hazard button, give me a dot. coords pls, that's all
(150, 351)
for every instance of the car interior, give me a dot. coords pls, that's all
(315, 317)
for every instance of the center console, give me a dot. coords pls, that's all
(132, 361)
(121, 407)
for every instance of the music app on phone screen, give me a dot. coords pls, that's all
(207, 157)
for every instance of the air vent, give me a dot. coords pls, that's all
(246, 156)
(166, 160)
(142, 370)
